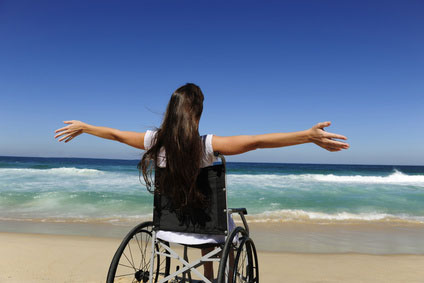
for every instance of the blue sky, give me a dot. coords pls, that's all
(264, 66)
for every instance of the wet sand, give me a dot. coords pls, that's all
(292, 237)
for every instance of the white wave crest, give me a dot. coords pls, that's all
(69, 171)
(68, 179)
(298, 215)
(396, 178)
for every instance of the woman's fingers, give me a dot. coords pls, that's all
(71, 134)
(323, 124)
(337, 144)
(331, 145)
(68, 132)
(61, 129)
(64, 128)
(335, 136)
(329, 148)
(332, 149)
(61, 134)
(65, 137)
(326, 140)
(70, 138)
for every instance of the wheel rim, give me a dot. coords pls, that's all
(243, 263)
(135, 260)
(233, 242)
(255, 265)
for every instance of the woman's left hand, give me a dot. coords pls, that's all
(74, 129)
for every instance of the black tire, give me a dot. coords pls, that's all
(245, 263)
(131, 262)
(255, 265)
(232, 244)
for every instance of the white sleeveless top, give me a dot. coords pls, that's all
(208, 159)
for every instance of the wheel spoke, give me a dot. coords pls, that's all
(243, 271)
(144, 255)
(133, 259)
(129, 247)
(138, 244)
(116, 276)
(129, 261)
(125, 265)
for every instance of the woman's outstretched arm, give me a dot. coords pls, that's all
(75, 128)
(240, 144)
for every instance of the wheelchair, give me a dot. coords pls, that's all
(143, 257)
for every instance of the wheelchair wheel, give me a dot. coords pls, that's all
(246, 263)
(132, 260)
(239, 260)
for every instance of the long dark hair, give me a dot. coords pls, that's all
(178, 137)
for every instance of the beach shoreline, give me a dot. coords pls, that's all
(65, 258)
(288, 237)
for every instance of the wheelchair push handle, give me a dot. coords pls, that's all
(242, 212)
(220, 156)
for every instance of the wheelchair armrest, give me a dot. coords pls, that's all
(240, 210)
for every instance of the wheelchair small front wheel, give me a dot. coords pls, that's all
(132, 260)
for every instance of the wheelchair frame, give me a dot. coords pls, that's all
(237, 242)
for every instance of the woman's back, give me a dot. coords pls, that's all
(177, 147)
(207, 157)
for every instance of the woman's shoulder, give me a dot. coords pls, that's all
(209, 156)
(149, 138)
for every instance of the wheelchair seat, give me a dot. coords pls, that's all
(144, 256)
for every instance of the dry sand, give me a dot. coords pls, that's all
(56, 258)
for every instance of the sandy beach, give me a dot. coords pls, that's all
(60, 258)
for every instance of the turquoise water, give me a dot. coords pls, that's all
(98, 190)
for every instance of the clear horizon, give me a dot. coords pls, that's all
(263, 67)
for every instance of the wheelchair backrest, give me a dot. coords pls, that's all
(212, 220)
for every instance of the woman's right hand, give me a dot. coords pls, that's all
(74, 128)
(324, 139)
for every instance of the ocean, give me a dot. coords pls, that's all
(106, 191)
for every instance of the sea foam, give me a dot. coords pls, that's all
(396, 178)
(298, 195)
(68, 171)
(302, 216)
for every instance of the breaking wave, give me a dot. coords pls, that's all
(298, 215)
(396, 178)
(68, 171)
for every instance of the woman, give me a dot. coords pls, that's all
(177, 147)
